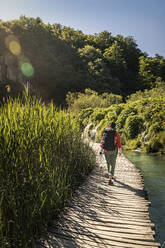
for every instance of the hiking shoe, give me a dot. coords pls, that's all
(110, 182)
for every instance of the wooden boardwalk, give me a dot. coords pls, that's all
(106, 216)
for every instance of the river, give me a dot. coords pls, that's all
(153, 170)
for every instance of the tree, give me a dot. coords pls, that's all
(150, 69)
(62, 59)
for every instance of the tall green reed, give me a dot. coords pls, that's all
(42, 160)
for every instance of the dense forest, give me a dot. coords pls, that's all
(56, 59)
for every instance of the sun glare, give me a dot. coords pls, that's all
(15, 47)
(27, 69)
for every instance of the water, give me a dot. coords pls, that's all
(153, 170)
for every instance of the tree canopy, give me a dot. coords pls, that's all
(56, 59)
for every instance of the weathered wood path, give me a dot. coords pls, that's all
(103, 215)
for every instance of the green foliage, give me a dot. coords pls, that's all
(84, 116)
(156, 143)
(91, 99)
(103, 123)
(43, 159)
(157, 92)
(150, 69)
(133, 126)
(132, 144)
(57, 59)
(155, 128)
(114, 54)
(109, 99)
(128, 110)
(140, 121)
(89, 53)
(97, 115)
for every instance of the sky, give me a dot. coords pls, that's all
(144, 20)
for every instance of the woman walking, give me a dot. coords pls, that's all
(111, 145)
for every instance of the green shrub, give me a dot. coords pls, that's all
(97, 115)
(133, 144)
(128, 110)
(133, 126)
(103, 123)
(155, 145)
(91, 99)
(156, 127)
(111, 114)
(143, 111)
(161, 136)
(84, 116)
(157, 92)
(119, 108)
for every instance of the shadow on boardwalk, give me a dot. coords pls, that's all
(87, 207)
(104, 216)
(139, 192)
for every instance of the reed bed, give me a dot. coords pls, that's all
(42, 160)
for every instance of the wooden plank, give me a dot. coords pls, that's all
(117, 205)
(98, 224)
(60, 241)
(113, 232)
(110, 240)
(108, 218)
(124, 221)
(111, 199)
(125, 230)
(110, 204)
(116, 197)
(129, 209)
(121, 201)
(98, 212)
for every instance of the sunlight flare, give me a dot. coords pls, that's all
(13, 45)
(27, 69)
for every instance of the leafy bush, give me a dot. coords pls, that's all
(97, 115)
(133, 144)
(129, 109)
(90, 99)
(154, 145)
(143, 112)
(133, 126)
(119, 108)
(153, 109)
(111, 116)
(103, 123)
(155, 128)
(84, 116)
(157, 92)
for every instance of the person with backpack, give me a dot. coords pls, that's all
(110, 145)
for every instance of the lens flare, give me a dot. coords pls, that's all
(13, 44)
(27, 69)
(15, 47)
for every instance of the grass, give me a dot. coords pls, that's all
(42, 160)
